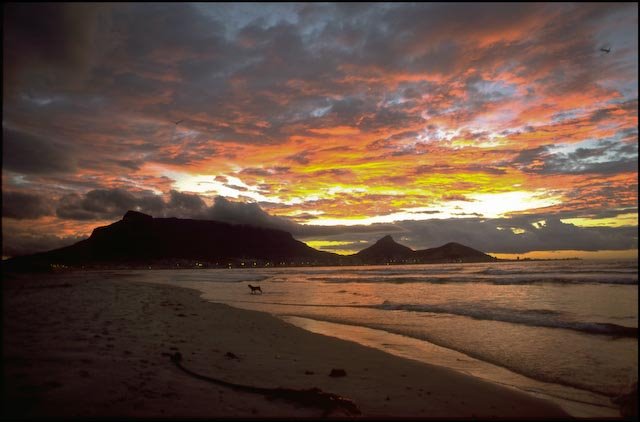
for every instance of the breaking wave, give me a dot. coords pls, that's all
(533, 317)
(514, 279)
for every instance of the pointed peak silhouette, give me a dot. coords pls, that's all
(386, 249)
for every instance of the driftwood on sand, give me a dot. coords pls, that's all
(313, 397)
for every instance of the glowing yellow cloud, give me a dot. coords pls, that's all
(619, 221)
(565, 254)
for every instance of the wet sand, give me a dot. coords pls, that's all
(78, 346)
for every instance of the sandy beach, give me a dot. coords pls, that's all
(77, 347)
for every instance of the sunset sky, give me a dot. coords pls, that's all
(507, 127)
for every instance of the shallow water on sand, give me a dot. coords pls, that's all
(560, 329)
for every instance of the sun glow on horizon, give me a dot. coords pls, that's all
(488, 205)
(622, 220)
(628, 254)
(330, 246)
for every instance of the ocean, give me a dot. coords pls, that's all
(566, 331)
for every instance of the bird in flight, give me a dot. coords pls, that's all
(606, 50)
(178, 122)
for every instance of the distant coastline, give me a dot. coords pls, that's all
(575, 258)
(248, 264)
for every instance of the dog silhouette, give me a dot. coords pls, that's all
(255, 289)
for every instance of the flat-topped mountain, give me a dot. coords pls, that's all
(140, 240)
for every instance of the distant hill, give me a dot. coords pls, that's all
(387, 250)
(453, 252)
(139, 240)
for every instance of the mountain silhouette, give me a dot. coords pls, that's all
(139, 240)
(385, 250)
(452, 252)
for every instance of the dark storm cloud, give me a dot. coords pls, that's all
(49, 45)
(276, 170)
(333, 172)
(128, 164)
(390, 141)
(433, 169)
(348, 109)
(185, 204)
(301, 157)
(283, 44)
(109, 165)
(168, 58)
(22, 205)
(498, 236)
(72, 206)
(577, 27)
(420, 37)
(150, 25)
(527, 157)
(245, 213)
(520, 220)
(191, 153)
(15, 244)
(236, 187)
(32, 154)
(128, 82)
(253, 62)
(389, 117)
(607, 158)
(457, 198)
(101, 204)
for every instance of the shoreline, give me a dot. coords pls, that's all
(584, 404)
(75, 346)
